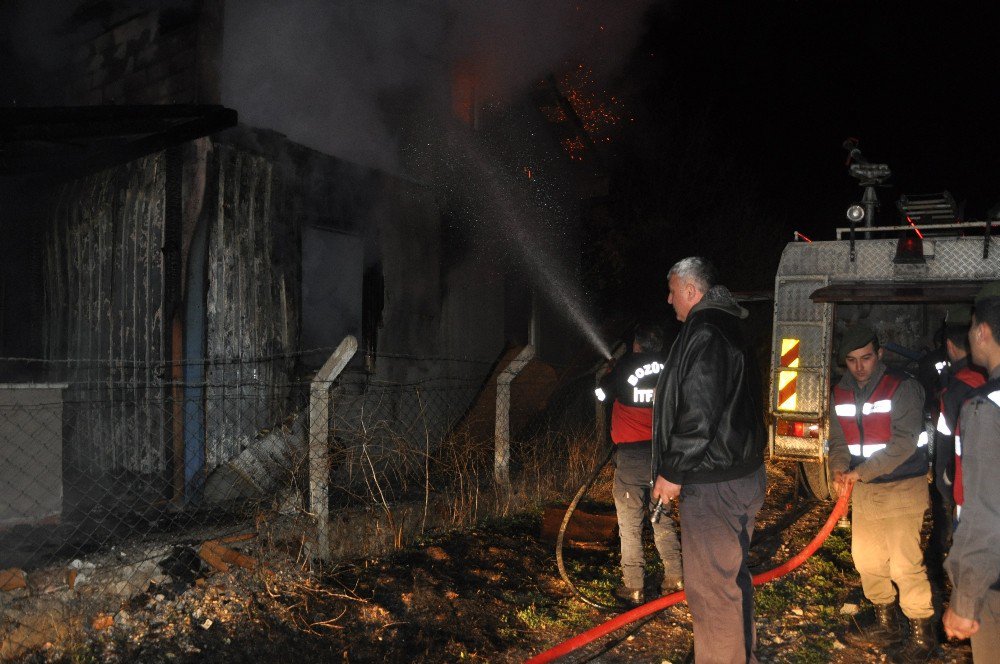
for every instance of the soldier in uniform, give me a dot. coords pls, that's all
(961, 378)
(974, 561)
(878, 446)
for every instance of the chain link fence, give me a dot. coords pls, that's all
(118, 483)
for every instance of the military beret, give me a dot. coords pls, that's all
(988, 291)
(958, 315)
(855, 337)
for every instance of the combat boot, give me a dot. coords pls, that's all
(921, 645)
(885, 631)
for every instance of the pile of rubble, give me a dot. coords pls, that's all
(60, 607)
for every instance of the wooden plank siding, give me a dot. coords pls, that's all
(103, 322)
(103, 326)
(252, 303)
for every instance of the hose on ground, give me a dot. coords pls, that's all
(666, 601)
(562, 533)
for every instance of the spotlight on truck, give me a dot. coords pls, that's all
(855, 213)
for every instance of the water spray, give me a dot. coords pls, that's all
(559, 288)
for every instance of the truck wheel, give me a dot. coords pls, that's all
(817, 478)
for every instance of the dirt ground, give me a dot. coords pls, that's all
(492, 595)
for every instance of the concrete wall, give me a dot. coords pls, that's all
(31, 464)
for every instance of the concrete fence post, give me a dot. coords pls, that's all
(319, 442)
(501, 455)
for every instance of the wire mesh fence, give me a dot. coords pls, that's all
(118, 482)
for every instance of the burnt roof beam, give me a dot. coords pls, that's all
(68, 142)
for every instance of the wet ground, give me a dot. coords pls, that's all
(493, 595)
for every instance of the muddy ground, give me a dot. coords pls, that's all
(492, 595)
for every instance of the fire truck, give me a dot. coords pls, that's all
(897, 279)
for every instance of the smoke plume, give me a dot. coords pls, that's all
(342, 77)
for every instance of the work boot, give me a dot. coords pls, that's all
(884, 631)
(632, 597)
(920, 646)
(671, 584)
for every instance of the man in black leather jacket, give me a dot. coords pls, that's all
(708, 449)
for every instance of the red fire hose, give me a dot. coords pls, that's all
(661, 603)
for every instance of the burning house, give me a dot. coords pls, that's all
(177, 277)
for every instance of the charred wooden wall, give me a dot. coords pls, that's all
(103, 327)
(252, 301)
(103, 323)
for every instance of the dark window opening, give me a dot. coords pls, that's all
(332, 291)
(372, 304)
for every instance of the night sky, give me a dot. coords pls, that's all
(737, 113)
(772, 89)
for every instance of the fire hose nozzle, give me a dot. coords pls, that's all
(657, 511)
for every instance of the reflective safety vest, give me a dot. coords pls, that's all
(948, 421)
(870, 430)
(988, 392)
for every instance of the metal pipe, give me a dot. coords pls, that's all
(195, 327)
(319, 443)
(870, 203)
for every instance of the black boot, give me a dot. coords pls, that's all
(885, 630)
(920, 646)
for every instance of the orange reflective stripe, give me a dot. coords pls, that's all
(789, 352)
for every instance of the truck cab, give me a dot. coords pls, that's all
(887, 277)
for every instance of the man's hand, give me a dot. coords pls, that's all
(665, 490)
(957, 627)
(842, 481)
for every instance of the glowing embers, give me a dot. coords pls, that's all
(788, 379)
(574, 147)
(598, 112)
(586, 109)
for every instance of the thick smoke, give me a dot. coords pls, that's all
(343, 76)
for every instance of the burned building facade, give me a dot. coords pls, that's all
(184, 276)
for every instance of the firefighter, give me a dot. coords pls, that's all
(974, 561)
(961, 378)
(878, 446)
(630, 385)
